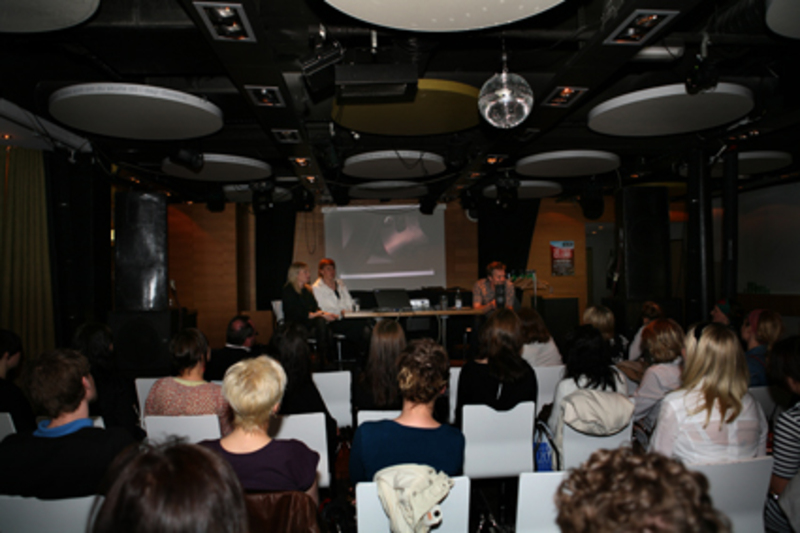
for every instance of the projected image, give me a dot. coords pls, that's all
(391, 247)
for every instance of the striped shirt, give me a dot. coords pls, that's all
(786, 451)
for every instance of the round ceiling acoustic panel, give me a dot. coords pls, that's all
(755, 163)
(222, 168)
(394, 164)
(439, 107)
(388, 189)
(134, 111)
(38, 16)
(568, 163)
(529, 189)
(783, 17)
(442, 15)
(669, 110)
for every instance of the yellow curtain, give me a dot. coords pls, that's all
(26, 296)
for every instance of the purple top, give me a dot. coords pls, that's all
(280, 465)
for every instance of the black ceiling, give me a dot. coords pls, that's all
(165, 44)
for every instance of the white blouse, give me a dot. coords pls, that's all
(327, 299)
(686, 436)
(542, 353)
(658, 380)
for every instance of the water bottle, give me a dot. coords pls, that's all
(458, 299)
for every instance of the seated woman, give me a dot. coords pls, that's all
(300, 306)
(760, 330)
(786, 444)
(662, 339)
(254, 388)
(588, 366)
(602, 318)
(538, 348)
(415, 436)
(173, 487)
(500, 377)
(188, 394)
(376, 387)
(711, 418)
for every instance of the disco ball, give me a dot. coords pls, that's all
(505, 100)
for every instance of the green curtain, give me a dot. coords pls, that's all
(26, 296)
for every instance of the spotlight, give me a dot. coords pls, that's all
(702, 76)
(189, 159)
(507, 193)
(318, 68)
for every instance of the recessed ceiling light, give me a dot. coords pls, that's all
(226, 21)
(265, 96)
(640, 27)
(564, 96)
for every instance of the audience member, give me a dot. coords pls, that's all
(499, 377)
(588, 365)
(728, 313)
(66, 457)
(650, 311)
(602, 318)
(376, 387)
(538, 348)
(415, 436)
(485, 291)
(254, 388)
(12, 400)
(300, 306)
(175, 487)
(240, 343)
(620, 491)
(662, 339)
(760, 330)
(116, 394)
(711, 418)
(188, 393)
(786, 442)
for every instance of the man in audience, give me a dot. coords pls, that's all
(486, 292)
(12, 400)
(624, 491)
(66, 457)
(240, 343)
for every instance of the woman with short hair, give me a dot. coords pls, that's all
(254, 389)
(188, 393)
(711, 418)
(602, 318)
(415, 436)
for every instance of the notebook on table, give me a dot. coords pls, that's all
(392, 300)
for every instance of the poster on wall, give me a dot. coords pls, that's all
(562, 258)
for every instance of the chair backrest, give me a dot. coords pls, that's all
(375, 415)
(193, 428)
(499, 443)
(335, 390)
(282, 511)
(536, 510)
(23, 515)
(143, 386)
(277, 310)
(455, 373)
(309, 429)
(371, 517)
(6, 425)
(764, 398)
(547, 378)
(579, 446)
(739, 489)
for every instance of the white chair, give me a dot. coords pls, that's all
(193, 428)
(143, 386)
(310, 430)
(24, 515)
(547, 379)
(335, 390)
(374, 416)
(455, 373)
(371, 517)
(739, 489)
(577, 446)
(765, 396)
(536, 510)
(499, 443)
(6, 425)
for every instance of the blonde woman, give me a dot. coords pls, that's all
(760, 330)
(711, 418)
(254, 389)
(663, 340)
(300, 306)
(602, 318)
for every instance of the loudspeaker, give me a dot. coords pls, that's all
(140, 251)
(642, 218)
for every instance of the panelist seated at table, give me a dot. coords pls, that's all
(494, 291)
(301, 307)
